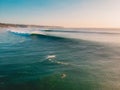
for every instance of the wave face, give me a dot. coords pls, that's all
(35, 59)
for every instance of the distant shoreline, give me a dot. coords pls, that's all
(7, 25)
(26, 26)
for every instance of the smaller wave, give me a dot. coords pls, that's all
(53, 59)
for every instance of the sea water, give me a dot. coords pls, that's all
(34, 59)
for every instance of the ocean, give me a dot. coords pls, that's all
(35, 59)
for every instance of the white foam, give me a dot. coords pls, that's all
(51, 57)
(63, 63)
(26, 31)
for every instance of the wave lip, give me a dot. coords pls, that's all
(38, 32)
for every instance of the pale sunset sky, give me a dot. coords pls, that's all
(67, 13)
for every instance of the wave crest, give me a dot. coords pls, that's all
(28, 31)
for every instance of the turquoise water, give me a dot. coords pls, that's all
(56, 62)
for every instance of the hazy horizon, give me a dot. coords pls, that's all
(66, 13)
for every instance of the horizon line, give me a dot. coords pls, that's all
(38, 25)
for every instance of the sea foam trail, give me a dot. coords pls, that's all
(104, 36)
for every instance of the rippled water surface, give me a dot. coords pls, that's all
(59, 60)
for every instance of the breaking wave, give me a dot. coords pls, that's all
(106, 36)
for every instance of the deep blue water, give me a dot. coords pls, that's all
(56, 62)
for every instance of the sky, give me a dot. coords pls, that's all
(67, 13)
